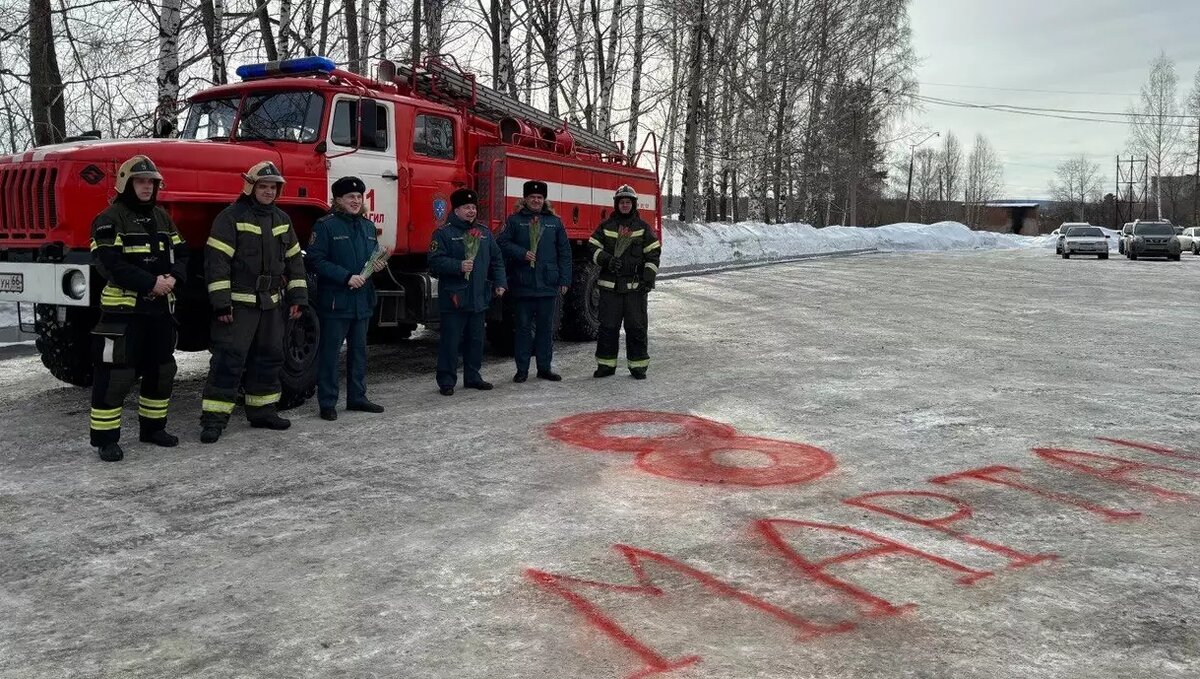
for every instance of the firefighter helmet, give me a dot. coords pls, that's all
(137, 166)
(625, 191)
(266, 171)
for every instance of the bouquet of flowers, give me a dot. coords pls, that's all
(623, 240)
(380, 254)
(535, 235)
(471, 242)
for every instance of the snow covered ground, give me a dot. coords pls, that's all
(8, 315)
(693, 244)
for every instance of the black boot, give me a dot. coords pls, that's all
(446, 391)
(481, 386)
(111, 452)
(272, 421)
(210, 434)
(520, 377)
(329, 414)
(365, 407)
(549, 375)
(159, 437)
(638, 373)
(604, 371)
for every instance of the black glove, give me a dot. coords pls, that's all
(648, 285)
(614, 264)
(226, 311)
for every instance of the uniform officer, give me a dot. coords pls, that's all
(627, 252)
(343, 244)
(538, 265)
(252, 264)
(468, 264)
(138, 251)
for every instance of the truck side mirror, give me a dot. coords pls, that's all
(368, 122)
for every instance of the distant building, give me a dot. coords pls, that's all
(1011, 216)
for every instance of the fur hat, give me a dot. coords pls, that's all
(534, 186)
(462, 197)
(348, 185)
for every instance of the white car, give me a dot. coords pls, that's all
(1061, 234)
(1189, 240)
(1085, 240)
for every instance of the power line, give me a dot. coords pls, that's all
(1042, 113)
(1025, 89)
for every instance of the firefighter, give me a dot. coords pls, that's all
(252, 264)
(539, 273)
(465, 289)
(140, 254)
(343, 244)
(627, 252)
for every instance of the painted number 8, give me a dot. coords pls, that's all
(697, 449)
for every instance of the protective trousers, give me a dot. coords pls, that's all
(462, 332)
(252, 343)
(124, 350)
(630, 308)
(335, 331)
(531, 312)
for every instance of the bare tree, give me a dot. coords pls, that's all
(350, 12)
(925, 179)
(264, 27)
(431, 12)
(1078, 182)
(1154, 124)
(45, 79)
(212, 14)
(985, 177)
(950, 168)
(285, 27)
(607, 74)
(165, 119)
(635, 87)
(544, 18)
(691, 165)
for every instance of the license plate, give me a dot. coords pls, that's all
(12, 282)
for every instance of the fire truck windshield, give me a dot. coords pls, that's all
(278, 116)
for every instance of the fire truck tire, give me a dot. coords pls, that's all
(581, 308)
(298, 378)
(65, 346)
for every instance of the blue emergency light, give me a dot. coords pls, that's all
(286, 67)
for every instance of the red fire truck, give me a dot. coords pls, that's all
(414, 135)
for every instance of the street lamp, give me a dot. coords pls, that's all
(911, 157)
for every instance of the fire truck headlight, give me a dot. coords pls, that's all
(75, 284)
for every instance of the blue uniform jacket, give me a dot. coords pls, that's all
(552, 267)
(341, 245)
(446, 254)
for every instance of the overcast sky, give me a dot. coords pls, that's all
(1094, 46)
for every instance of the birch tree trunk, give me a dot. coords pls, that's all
(506, 74)
(432, 11)
(212, 14)
(635, 86)
(45, 80)
(364, 36)
(672, 111)
(166, 120)
(383, 29)
(609, 80)
(691, 177)
(285, 25)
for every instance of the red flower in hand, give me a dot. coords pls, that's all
(624, 231)
(476, 232)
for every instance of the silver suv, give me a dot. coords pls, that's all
(1152, 239)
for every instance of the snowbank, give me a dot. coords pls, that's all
(692, 244)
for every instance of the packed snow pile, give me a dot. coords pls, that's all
(719, 243)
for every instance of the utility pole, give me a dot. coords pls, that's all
(1196, 184)
(911, 158)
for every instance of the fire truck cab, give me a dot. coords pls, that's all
(414, 136)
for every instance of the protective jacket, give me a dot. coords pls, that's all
(447, 251)
(627, 252)
(131, 247)
(253, 258)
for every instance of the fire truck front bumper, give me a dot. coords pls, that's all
(43, 283)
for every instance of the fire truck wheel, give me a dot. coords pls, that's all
(581, 308)
(298, 378)
(65, 345)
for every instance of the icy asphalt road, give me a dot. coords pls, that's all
(401, 545)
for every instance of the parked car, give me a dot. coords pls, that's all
(1085, 240)
(1126, 234)
(1189, 240)
(1152, 239)
(1060, 234)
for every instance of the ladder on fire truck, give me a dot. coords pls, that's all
(439, 82)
